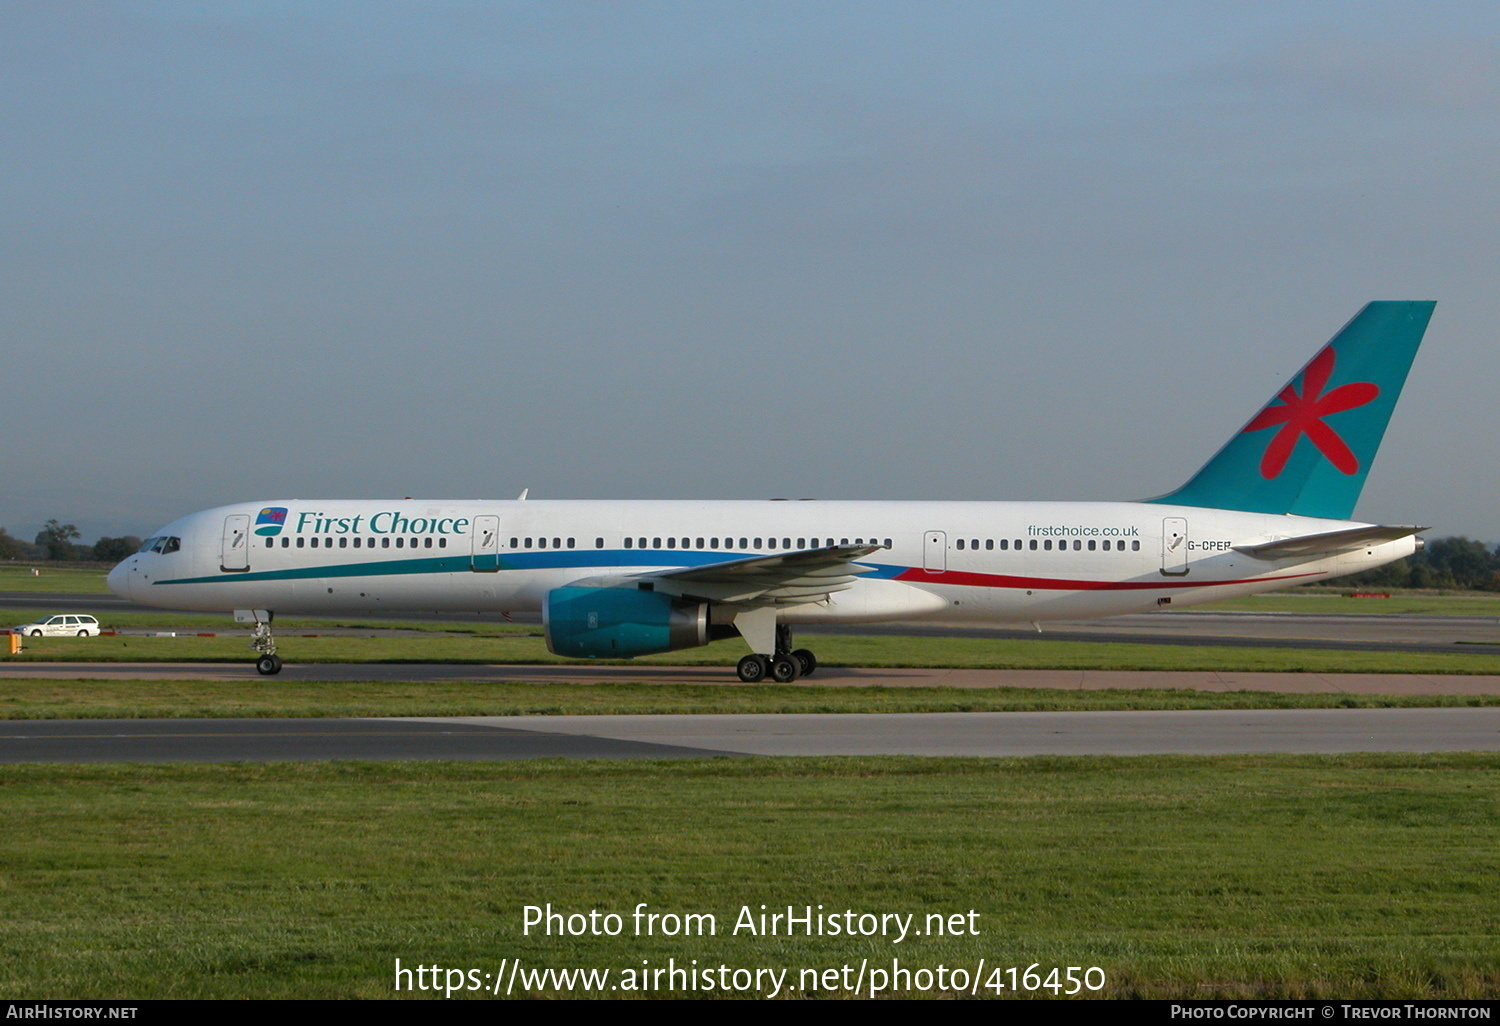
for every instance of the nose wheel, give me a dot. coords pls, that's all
(261, 639)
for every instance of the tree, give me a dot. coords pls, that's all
(11, 548)
(112, 550)
(57, 539)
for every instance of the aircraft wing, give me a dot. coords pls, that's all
(810, 575)
(1327, 542)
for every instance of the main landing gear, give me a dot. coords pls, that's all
(785, 666)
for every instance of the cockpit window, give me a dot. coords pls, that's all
(162, 544)
(170, 545)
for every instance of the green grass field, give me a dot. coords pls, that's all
(60, 579)
(1335, 877)
(1333, 603)
(129, 699)
(496, 645)
(1357, 876)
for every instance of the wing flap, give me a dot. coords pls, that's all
(810, 575)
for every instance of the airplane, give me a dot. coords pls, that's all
(622, 578)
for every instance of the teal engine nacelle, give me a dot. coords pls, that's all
(617, 623)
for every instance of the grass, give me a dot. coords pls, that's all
(487, 645)
(1333, 603)
(1350, 877)
(53, 578)
(131, 699)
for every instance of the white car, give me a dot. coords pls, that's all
(63, 625)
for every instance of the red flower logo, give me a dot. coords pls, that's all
(1303, 415)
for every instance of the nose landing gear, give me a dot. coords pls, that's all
(261, 639)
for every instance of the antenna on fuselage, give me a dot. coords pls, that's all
(522, 496)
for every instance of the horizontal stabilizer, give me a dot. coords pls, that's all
(1328, 542)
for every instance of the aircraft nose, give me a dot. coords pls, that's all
(119, 578)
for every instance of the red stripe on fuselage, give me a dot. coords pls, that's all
(973, 580)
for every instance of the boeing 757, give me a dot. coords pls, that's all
(616, 579)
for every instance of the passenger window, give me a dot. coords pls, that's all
(1135, 546)
(628, 541)
(285, 542)
(989, 544)
(343, 543)
(385, 543)
(598, 543)
(656, 543)
(771, 543)
(442, 543)
(427, 542)
(1091, 545)
(315, 543)
(671, 543)
(758, 544)
(960, 544)
(743, 543)
(270, 542)
(557, 543)
(527, 543)
(400, 543)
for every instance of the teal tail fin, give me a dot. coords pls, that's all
(1309, 450)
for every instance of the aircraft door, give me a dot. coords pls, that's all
(935, 552)
(1174, 547)
(234, 553)
(486, 552)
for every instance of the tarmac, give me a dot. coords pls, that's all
(985, 735)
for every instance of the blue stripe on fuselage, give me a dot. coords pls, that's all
(551, 559)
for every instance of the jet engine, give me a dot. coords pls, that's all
(617, 623)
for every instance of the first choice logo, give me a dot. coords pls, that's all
(385, 522)
(270, 521)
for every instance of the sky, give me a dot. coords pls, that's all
(263, 250)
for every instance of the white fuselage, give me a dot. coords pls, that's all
(974, 561)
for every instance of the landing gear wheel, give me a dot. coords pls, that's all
(752, 669)
(806, 661)
(784, 669)
(267, 665)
